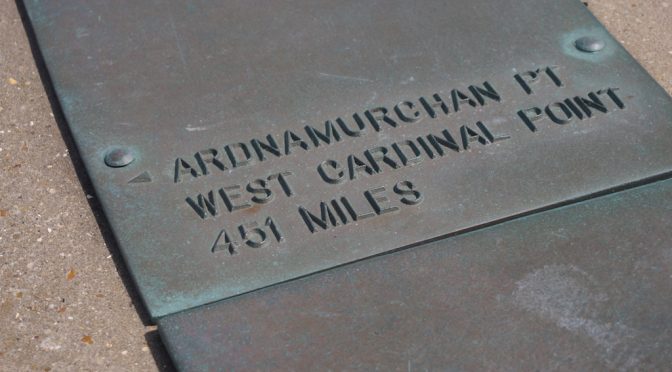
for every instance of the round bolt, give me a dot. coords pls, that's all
(589, 44)
(118, 157)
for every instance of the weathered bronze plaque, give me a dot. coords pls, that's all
(238, 144)
(581, 288)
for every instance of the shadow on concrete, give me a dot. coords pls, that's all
(159, 352)
(153, 341)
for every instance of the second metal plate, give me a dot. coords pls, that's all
(581, 288)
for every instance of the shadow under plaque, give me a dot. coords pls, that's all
(235, 145)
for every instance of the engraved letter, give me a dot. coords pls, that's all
(293, 140)
(411, 196)
(204, 206)
(282, 179)
(591, 102)
(564, 118)
(529, 77)
(572, 106)
(459, 98)
(353, 213)
(182, 168)
(529, 116)
(239, 158)
(261, 191)
(326, 218)
(228, 197)
(486, 132)
(357, 166)
(612, 94)
(405, 159)
(487, 91)
(381, 117)
(271, 147)
(425, 146)
(330, 133)
(438, 103)
(469, 135)
(361, 128)
(526, 78)
(378, 201)
(407, 117)
(378, 154)
(329, 176)
(208, 156)
(225, 245)
(447, 141)
(551, 74)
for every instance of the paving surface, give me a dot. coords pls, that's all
(66, 302)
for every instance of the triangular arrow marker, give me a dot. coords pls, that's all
(143, 177)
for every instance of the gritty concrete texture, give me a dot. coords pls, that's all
(66, 301)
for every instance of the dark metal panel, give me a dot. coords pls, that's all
(585, 287)
(149, 86)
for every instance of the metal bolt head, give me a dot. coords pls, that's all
(118, 157)
(589, 44)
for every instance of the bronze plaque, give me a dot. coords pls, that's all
(238, 144)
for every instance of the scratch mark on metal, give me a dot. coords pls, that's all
(178, 45)
(344, 77)
(195, 129)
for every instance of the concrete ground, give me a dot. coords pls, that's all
(66, 300)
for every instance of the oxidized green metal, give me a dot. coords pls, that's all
(238, 144)
(584, 287)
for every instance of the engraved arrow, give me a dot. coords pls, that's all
(141, 178)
